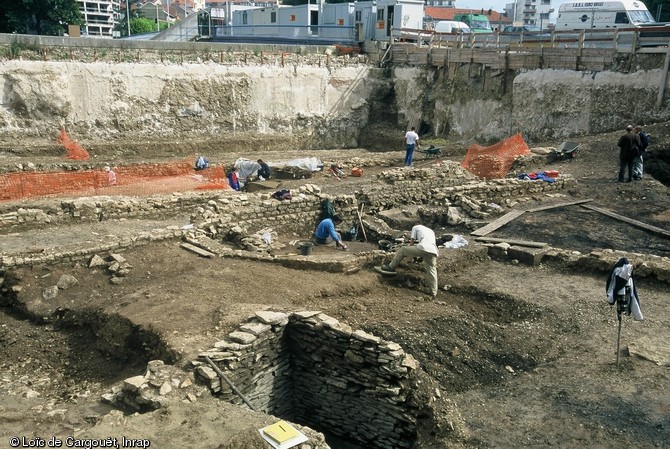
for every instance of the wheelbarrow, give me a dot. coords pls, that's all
(566, 151)
(432, 152)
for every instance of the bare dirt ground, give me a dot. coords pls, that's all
(526, 353)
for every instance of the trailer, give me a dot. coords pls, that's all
(603, 15)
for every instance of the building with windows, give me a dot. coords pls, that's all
(100, 17)
(532, 12)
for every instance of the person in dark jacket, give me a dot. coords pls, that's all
(627, 144)
(263, 172)
(638, 161)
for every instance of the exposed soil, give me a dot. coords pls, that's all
(526, 353)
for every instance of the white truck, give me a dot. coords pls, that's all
(603, 15)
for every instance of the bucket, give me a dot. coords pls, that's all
(306, 248)
(385, 245)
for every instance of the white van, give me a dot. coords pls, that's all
(603, 15)
(451, 26)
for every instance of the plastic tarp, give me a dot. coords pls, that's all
(246, 167)
(306, 163)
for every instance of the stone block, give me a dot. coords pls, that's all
(526, 255)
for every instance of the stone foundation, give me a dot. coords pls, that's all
(312, 369)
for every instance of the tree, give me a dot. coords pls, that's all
(48, 17)
(653, 7)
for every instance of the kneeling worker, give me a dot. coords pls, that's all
(424, 246)
(325, 232)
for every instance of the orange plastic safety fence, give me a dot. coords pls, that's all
(217, 176)
(74, 149)
(131, 180)
(496, 160)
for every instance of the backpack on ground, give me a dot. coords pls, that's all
(201, 163)
(350, 234)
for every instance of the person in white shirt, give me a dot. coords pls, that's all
(411, 142)
(423, 244)
(111, 176)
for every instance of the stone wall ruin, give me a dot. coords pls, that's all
(310, 368)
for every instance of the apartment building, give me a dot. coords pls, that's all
(532, 12)
(100, 17)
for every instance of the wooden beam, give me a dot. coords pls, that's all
(509, 216)
(199, 251)
(553, 206)
(512, 242)
(630, 221)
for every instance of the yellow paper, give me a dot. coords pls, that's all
(280, 431)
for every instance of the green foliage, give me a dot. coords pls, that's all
(16, 47)
(141, 25)
(46, 17)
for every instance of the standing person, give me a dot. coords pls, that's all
(233, 179)
(626, 153)
(111, 176)
(638, 161)
(325, 232)
(411, 142)
(263, 172)
(424, 246)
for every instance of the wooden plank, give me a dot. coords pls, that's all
(553, 206)
(199, 251)
(630, 221)
(509, 216)
(512, 242)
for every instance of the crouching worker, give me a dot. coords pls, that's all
(264, 172)
(325, 233)
(423, 244)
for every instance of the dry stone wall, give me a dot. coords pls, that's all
(309, 367)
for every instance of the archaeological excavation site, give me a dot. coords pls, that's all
(147, 303)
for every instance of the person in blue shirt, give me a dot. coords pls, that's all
(325, 232)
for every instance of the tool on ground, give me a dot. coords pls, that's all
(360, 221)
(566, 151)
(230, 384)
(432, 152)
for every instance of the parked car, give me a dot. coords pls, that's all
(512, 30)
(451, 26)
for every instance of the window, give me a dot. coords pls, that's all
(244, 18)
(273, 17)
(380, 14)
(544, 15)
(621, 17)
(359, 16)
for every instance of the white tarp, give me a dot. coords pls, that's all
(247, 167)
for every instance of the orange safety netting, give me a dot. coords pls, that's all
(131, 180)
(74, 149)
(217, 176)
(496, 160)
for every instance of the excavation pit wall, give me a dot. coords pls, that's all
(309, 368)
